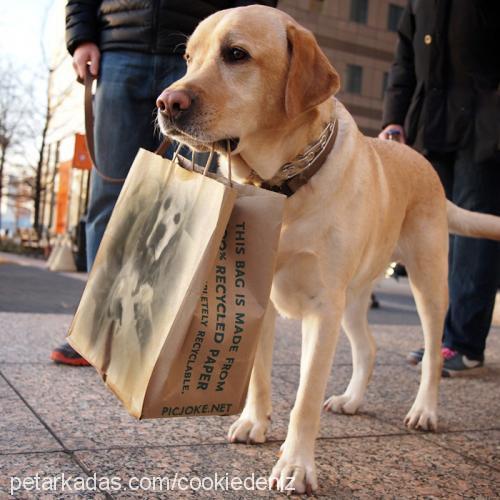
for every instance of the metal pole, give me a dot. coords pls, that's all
(53, 185)
(43, 195)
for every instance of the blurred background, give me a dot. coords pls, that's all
(44, 168)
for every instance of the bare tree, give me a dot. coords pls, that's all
(14, 107)
(27, 123)
(54, 98)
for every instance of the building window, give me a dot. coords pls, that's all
(359, 11)
(354, 80)
(393, 17)
(385, 80)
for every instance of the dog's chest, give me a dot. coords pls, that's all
(297, 279)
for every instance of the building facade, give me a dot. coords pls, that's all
(359, 38)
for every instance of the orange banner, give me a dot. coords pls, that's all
(63, 196)
(81, 157)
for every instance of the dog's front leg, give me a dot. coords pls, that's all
(253, 423)
(295, 470)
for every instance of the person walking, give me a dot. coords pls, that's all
(443, 99)
(135, 49)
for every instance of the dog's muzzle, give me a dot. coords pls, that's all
(172, 104)
(174, 119)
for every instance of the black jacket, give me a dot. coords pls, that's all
(444, 83)
(152, 26)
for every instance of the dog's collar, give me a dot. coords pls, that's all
(294, 174)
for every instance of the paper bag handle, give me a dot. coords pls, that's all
(228, 150)
(209, 160)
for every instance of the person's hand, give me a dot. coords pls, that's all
(85, 53)
(393, 132)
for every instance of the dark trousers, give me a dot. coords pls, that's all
(474, 264)
(125, 110)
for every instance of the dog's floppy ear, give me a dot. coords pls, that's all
(311, 77)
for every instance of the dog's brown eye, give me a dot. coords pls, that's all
(235, 54)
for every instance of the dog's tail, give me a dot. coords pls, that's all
(474, 224)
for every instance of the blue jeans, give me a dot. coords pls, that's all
(125, 110)
(474, 264)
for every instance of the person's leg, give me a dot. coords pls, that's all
(124, 122)
(475, 266)
(443, 164)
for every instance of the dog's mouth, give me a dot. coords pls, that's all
(230, 144)
(203, 144)
(220, 146)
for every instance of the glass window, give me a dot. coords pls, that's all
(354, 79)
(359, 11)
(393, 16)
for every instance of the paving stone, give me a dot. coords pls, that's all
(400, 467)
(465, 403)
(47, 466)
(370, 455)
(85, 414)
(401, 339)
(288, 341)
(483, 446)
(286, 380)
(5, 390)
(30, 338)
(388, 467)
(191, 462)
(20, 430)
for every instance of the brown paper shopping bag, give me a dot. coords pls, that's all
(151, 267)
(171, 320)
(211, 371)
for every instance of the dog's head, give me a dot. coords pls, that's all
(250, 70)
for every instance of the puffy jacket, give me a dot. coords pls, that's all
(444, 83)
(153, 26)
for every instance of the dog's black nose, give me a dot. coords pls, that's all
(173, 102)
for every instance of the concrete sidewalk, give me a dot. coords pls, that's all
(56, 419)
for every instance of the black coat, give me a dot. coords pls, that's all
(152, 26)
(444, 84)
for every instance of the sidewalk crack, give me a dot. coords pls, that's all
(65, 450)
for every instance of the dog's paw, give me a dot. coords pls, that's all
(249, 430)
(342, 404)
(421, 418)
(294, 473)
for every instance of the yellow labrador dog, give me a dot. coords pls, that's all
(259, 81)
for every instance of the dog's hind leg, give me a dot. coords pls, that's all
(355, 324)
(253, 423)
(426, 259)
